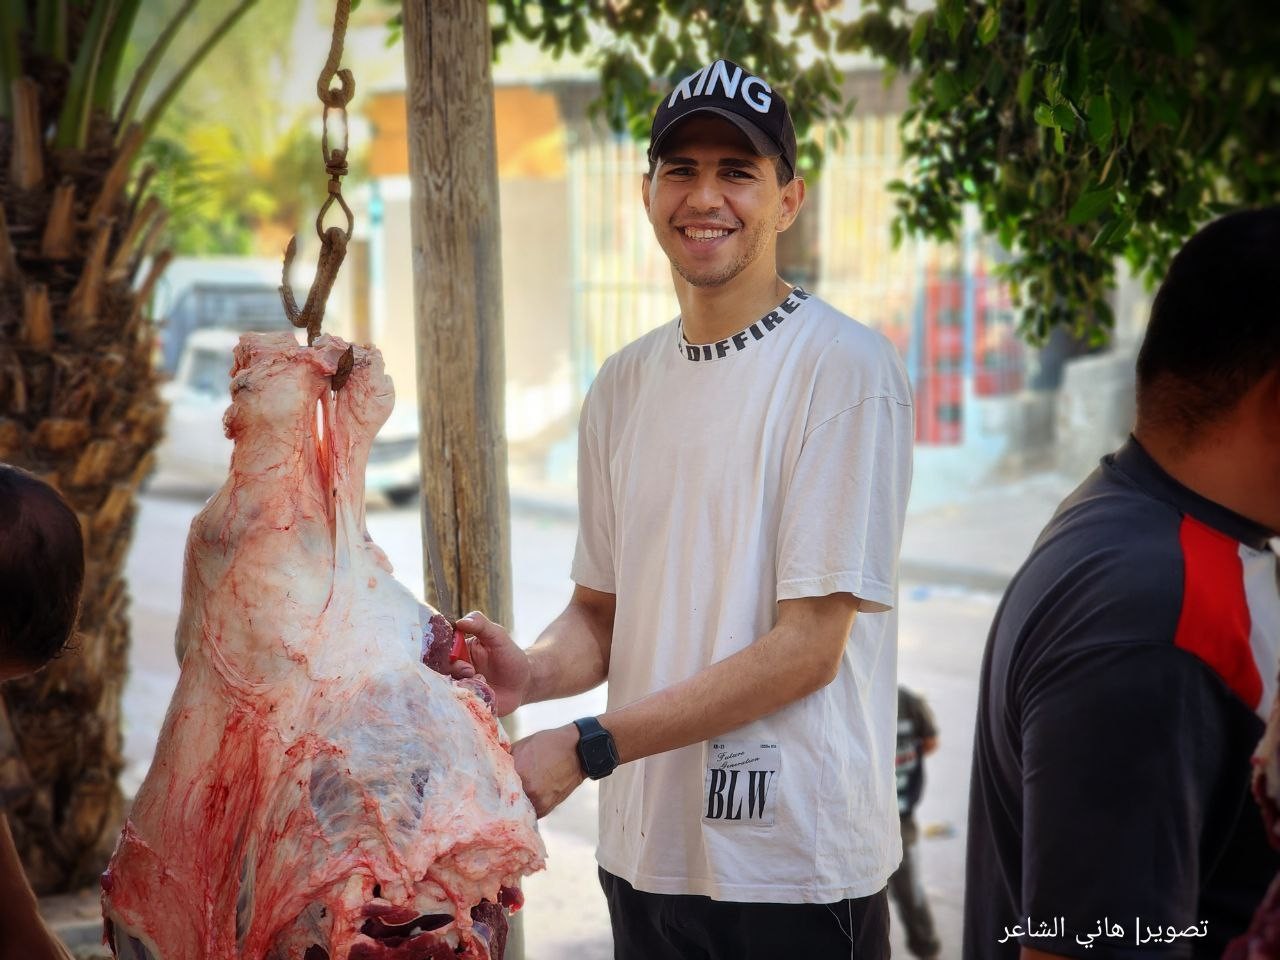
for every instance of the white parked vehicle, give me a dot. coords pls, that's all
(195, 453)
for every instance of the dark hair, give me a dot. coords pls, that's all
(41, 569)
(780, 166)
(1214, 329)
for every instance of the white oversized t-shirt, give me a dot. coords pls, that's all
(714, 481)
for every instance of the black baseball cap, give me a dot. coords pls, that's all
(727, 90)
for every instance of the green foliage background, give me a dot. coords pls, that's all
(1083, 131)
(228, 161)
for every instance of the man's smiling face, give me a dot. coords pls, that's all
(715, 204)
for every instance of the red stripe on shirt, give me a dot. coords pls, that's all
(1214, 623)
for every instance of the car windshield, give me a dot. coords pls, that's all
(240, 308)
(210, 372)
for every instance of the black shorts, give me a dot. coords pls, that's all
(657, 926)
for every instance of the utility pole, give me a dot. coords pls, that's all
(457, 294)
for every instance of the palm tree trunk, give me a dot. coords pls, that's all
(78, 406)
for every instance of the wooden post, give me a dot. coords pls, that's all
(457, 294)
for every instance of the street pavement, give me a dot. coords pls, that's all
(955, 560)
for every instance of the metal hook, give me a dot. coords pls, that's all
(333, 249)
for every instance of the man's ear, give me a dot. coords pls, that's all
(792, 201)
(646, 183)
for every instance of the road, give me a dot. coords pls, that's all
(941, 636)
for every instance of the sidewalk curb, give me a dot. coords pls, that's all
(549, 506)
(76, 920)
(83, 938)
(952, 575)
(544, 505)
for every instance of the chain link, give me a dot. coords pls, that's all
(333, 242)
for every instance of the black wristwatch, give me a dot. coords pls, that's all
(596, 750)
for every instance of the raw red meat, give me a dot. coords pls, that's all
(318, 792)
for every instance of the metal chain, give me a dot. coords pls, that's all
(333, 242)
(335, 98)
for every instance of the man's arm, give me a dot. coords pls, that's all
(799, 655)
(571, 655)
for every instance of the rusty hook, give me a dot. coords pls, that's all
(333, 249)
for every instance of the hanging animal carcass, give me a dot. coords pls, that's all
(320, 791)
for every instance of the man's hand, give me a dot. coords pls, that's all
(497, 658)
(548, 766)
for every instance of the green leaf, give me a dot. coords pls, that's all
(1008, 229)
(1064, 116)
(1060, 24)
(1052, 85)
(1114, 232)
(1184, 40)
(663, 55)
(947, 90)
(994, 79)
(989, 25)
(1124, 117)
(1059, 142)
(1044, 115)
(919, 30)
(1257, 84)
(952, 13)
(1090, 204)
(1160, 110)
(578, 36)
(1100, 120)
(1026, 84)
(1075, 69)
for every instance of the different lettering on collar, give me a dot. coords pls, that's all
(740, 341)
(753, 91)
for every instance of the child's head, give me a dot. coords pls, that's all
(41, 572)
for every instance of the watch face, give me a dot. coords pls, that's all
(596, 752)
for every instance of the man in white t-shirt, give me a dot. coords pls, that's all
(743, 477)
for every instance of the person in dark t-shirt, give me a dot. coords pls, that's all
(917, 738)
(1133, 658)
